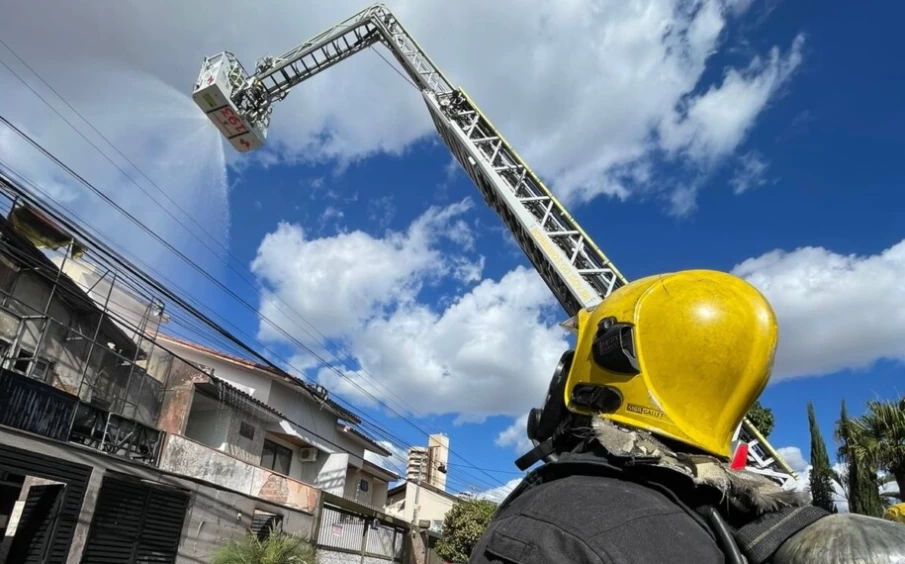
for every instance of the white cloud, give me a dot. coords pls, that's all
(634, 69)
(516, 435)
(749, 174)
(336, 283)
(154, 125)
(498, 494)
(331, 212)
(715, 122)
(490, 352)
(381, 211)
(793, 457)
(835, 312)
(739, 6)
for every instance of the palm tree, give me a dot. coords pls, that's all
(859, 477)
(881, 440)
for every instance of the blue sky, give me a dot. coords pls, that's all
(760, 131)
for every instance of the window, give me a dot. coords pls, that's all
(264, 522)
(246, 430)
(363, 486)
(276, 457)
(42, 367)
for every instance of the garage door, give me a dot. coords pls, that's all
(135, 522)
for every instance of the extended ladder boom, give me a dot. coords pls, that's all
(570, 263)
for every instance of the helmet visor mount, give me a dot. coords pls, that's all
(614, 347)
(613, 350)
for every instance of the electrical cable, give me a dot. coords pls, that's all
(230, 255)
(100, 247)
(208, 276)
(110, 202)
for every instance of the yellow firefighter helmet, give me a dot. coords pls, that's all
(895, 513)
(683, 355)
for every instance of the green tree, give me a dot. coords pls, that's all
(762, 418)
(862, 487)
(463, 526)
(882, 442)
(821, 472)
(276, 548)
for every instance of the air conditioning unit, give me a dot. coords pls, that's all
(308, 454)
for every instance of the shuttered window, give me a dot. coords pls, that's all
(39, 516)
(135, 523)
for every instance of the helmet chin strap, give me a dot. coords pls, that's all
(545, 451)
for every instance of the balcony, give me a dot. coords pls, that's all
(189, 458)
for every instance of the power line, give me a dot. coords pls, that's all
(181, 255)
(229, 256)
(181, 303)
(491, 470)
(210, 278)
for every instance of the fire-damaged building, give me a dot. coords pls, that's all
(118, 444)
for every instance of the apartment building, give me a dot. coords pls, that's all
(425, 486)
(428, 464)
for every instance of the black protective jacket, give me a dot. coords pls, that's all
(584, 510)
(595, 520)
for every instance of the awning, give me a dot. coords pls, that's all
(236, 398)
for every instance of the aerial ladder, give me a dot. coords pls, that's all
(574, 268)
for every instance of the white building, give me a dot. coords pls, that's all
(428, 464)
(313, 439)
(433, 504)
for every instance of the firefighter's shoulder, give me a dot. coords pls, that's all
(593, 519)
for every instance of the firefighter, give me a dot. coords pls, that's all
(636, 436)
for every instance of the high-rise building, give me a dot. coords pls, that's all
(429, 463)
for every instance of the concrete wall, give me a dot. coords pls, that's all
(67, 350)
(180, 391)
(256, 385)
(214, 515)
(240, 446)
(307, 414)
(32, 291)
(379, 490)
(332, 476)
(209, 428)
(188, 458)
(433, 506)
(376, 494)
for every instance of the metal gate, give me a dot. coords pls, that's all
(75, 476)
(347, 537)
(135, 523)
(36, 525)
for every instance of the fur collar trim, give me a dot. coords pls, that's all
(743, 491)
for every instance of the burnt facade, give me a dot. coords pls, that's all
(68, 369)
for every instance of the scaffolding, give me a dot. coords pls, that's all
(84, 330)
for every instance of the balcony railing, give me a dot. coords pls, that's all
(189, 458)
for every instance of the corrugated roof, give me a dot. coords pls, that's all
(232, 391)
(342, 412)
